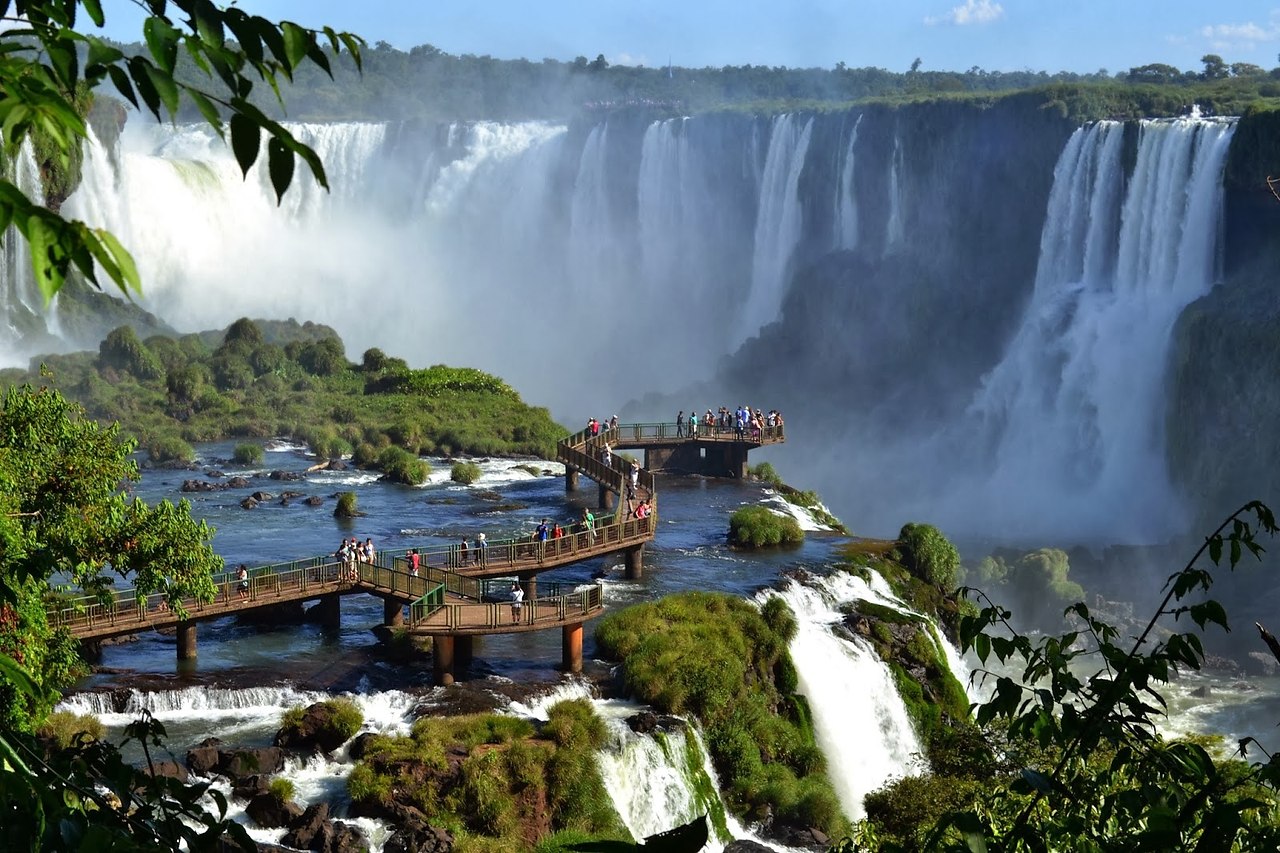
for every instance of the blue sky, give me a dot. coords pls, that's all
(997, 35)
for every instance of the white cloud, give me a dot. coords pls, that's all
(1246, 36)
(969, 12)
(625, 58)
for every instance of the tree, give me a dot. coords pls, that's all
(1214, 67)
(49, 71)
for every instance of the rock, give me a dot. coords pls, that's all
(337, 465)
(214, 473)
(1201, 692)
(317, 731)
(303, 831)
(238, 483)
(339, 837)
(285, 475)
(314, 500)
(360, 745)
(170, 769)
(248, 787)
(262, 497)
(419, 837)
(202, 759)
(268, 812)
(199, 486)
(1259, 663)
(742, 845)
(248, 503)
(239, 763)
(643, 723)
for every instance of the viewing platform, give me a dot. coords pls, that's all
(710, 451)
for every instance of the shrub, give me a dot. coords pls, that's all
(760, 527)
(245, 330)
(575, 722)
(928, 554)
(122, 350)
(170, 448)
(765, 473)
(401, 466)
(65, 728)
(282, 789)
(248, 454)
(347, 717)
(346, 507)
(465, 473)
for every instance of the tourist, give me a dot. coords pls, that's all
(242, 585)
(693, 423)
(557, 532)
(642, 511)
(517, 601)
(680, 424)
(540, 535)
(589, 524)
(462, 553)
(635, 475)
(414, 561)
(481, 545)
(369, 553)
(613, 423)
(606, 455)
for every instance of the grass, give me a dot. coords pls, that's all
(465, 473)
(760, 527)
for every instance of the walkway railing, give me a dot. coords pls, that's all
(553, 609)
(628, 434)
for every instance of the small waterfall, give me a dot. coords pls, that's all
(20, 290)
(845, 221)
(859, 718)
(779, 222)
(591, 227)
(1071, 418)
(895, 232)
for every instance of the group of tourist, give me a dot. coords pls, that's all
(743, 421)
(595, 426)
(351, 554)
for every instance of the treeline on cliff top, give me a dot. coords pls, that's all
(427, 83)
(260, 379)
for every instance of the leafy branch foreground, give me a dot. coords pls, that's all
(1091, 771)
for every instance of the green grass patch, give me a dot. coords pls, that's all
(759, 527)
(65, 728)
(465, 473)
(248, 454)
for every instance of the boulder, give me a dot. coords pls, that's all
(742, 845)
(170, 769)
(306, 829)
(360, 745)
(339, 837)
(1259, 663)
(249, 503)
(314, 500)
(237, 764)
(238, 483)
(202, 759)
(262, 497)
(643, 722)
(317, 731)
(199, 486)
(417, 836)
(285, 475)
(269, 812)
(248, 787)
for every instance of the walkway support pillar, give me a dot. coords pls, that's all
(392, 613)
(330, 607)
(442, 658)
(634, 562)
(572, 648)
(570, 478)
(186, 640)
(606, 497)
(738, 461)
(529, 583)
(464, 650)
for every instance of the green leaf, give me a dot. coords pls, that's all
(94, 9)
(121, 81)
(208, 110)
(166, 88)
(65, 62)
(1215, 549)
(162, 41)
(208, 21)
(295, 43)
(280, 165)
(245, 141)
(241, 26)
(115, 260)
(982, 647)
(140, 71)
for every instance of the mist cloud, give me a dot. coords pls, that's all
(969, 12)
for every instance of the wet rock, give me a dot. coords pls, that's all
(262, 497)
(249, 787)
(415, 835)
(337, 465)
(744, 845)
(360, 745)
(268, 812)
(643, 723)
(239, 763)
(238, 483)
(202, 759)
(339, 837)
(317, 731)
(199, 486)
(214, 473)
(314, 500)
(169, 769)
(1259, 663)
(249, 503)
(285, 475)
(1201, 692)
(303, 831)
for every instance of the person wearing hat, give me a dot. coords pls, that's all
(481, 548)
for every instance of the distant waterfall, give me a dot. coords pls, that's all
(1071, 419)
(860, 720)
(779, 222)
(896, 230)
(845, 220)
(18, 282)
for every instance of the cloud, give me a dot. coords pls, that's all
(625, 58)
(1246, 36)
(969, 12)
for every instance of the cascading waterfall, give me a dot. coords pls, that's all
(860, 720)
(895, 232)
(779, 222)
(845, 221)
(20, 289)
(1070, 419)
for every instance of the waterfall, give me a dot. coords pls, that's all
(1071, 420)
(779, 222)
(845, 220)
(858, 716)
(896, 229)
(591, 226)
(19, 285)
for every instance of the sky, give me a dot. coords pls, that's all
(946, 35)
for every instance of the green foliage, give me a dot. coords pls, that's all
(760, 527)
(170, 448)
(346, 507)
(765, 473)
(64, 728)
(721, 660)
(574, 722)
(248, 454)
(1035, 584)
(122, 350)
(440, 379)
(928, 554)
(282, 789)
(401, 466)
(347, 717)
(465, 473)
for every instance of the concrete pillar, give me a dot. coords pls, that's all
(571, 659)
(186, 640)
(606, 497)
(442, 658)
(529, 583)
(464, 650)
(392, 613)
(570, 478)
(330, 607)
(738, 461)
(634, 559)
